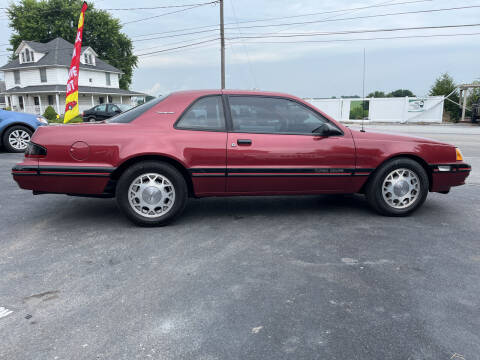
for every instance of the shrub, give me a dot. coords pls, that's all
(50, 114)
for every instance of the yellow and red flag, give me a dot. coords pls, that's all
(71, 102)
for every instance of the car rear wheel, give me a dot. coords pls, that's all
(17, 138)
(151, 193)
(92, 119)
(398, 187)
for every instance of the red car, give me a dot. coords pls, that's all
(223, 143)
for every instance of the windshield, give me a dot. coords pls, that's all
(133, 113)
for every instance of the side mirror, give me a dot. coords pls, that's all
(118, 111)
(327, 129)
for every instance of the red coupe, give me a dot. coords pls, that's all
(223, 143)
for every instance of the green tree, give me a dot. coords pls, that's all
(50, 113)
(376, 94)
(445, 85)
(401, 93)
(48, 19)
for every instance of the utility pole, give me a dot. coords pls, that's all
(222, 45)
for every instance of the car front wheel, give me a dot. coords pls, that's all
(151, 193)
(17, 138)
(398, 187)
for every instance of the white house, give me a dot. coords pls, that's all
(37, 78)
(2, 97)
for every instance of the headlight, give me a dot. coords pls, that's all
(42, 120)
(459, 154)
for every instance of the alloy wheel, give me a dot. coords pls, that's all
(19, 139)
(401, 188)
(151, 195)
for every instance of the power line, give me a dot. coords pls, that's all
(357, 39)
(335, 11)
(361, 17)
(280, 18)
(178, 47)
(355, 31)
(244, 47)
(156, 7)
(306, 22)
(169, 13)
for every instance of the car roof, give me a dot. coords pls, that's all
(230, 92)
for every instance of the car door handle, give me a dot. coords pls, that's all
(244, 142)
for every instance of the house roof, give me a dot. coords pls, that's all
(58, 52)
(62, 89)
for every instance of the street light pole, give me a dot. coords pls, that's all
(222, 45)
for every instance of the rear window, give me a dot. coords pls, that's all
(133, 113)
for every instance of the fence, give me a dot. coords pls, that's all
(395, 110)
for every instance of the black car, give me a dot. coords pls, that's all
(103, 111)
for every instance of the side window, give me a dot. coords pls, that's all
(258, 114)
(43, 75)
(204, 114)
(102, 107)
(114, 108)
(16, 75)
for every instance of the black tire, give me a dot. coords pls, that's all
(10, 147)
(374, 189)
(167, 171)
(92, 119)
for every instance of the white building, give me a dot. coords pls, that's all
(2, 97)
(37, 78)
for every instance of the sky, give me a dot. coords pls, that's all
(306, 66)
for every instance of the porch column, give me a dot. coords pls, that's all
(40, 103)
(93, 102)
(121, 100)
(57, 102)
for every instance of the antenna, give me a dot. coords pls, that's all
(363, 96)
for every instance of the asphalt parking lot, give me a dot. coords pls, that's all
(316, 277)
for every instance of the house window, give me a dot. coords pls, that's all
(27, 53)
(90, 80)
(36, 101)
(101, 99)
(107, 76)
(50, 99)
(85, 57)
(31, 53)
(16, 75)
(90, 59)
(43, 75)
(20, 102)
(23, 57)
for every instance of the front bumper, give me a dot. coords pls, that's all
(444, 176)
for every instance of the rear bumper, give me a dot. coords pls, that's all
(62, 180)
(444, 176)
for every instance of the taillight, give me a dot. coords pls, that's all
(35, 150)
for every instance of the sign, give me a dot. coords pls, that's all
(416, 105)
(71, 101)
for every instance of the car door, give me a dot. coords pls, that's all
(113, 110)
(101, 112)
(271, 149)
(202, 139)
